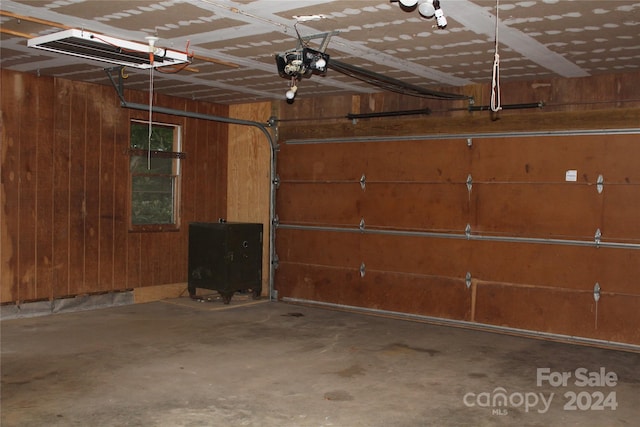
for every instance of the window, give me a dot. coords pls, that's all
(155, 175)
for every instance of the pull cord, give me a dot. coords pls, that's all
(150, 110)
(495, 79)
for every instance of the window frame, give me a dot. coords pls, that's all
(176, 166)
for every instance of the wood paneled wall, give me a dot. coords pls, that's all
(416, 206)
(249, 179)
(65, 186)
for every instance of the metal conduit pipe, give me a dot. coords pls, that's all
(465, 236)
(272, 145)
(468, 325)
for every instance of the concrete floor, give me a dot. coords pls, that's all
(257, 363)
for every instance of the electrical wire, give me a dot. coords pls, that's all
(495, 78)
(391, 84)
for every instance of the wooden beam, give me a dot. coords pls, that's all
(15, 33)
(31, 19)
(215, 61)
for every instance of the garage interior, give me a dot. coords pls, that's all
(445, 213)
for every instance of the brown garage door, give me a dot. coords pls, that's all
(531, 232)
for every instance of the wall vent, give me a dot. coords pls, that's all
(86, 44)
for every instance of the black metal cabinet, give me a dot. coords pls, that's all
(225, 257)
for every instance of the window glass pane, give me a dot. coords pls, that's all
(161, 137)
(152, 200)
(154, 176)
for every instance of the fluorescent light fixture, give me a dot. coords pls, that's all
(98, 47)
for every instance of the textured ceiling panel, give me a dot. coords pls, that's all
(233, 43)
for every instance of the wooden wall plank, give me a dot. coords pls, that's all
(27, 183)
(475, 123)
(94, 140)
(13, 88)
(222, 166)
(28, 197)
(249, 175)
(106, 195)
(45, 190)
(199, 163)
(77, 188)
(61, 170)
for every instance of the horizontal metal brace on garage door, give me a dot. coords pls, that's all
(467, 235)
(468, 137)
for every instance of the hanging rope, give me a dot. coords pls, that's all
(495, 79)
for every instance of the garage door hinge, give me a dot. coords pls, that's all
(275, 221)
(467, 279)
(276, 261)
(600, 184)
(469, 183)
(362, 269)
(276, 182)
(361, 226)
(363, 182)
(596, 292)
(598, 237)
(467, 231)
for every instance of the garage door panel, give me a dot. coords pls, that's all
(340, 249)
(416, 255)
(431, 207)
(537, 158)
(617, 168)
(381, 291)
(417, 161)
(388, 161)
(558, 266)
(320, 162)
(621, 212)
(320, 204)
(537, 210)
(559, 311)
(531, 250)
(440, 297)
(411, 206)
(313, 282)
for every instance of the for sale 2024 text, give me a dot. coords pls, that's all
(587, 399)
